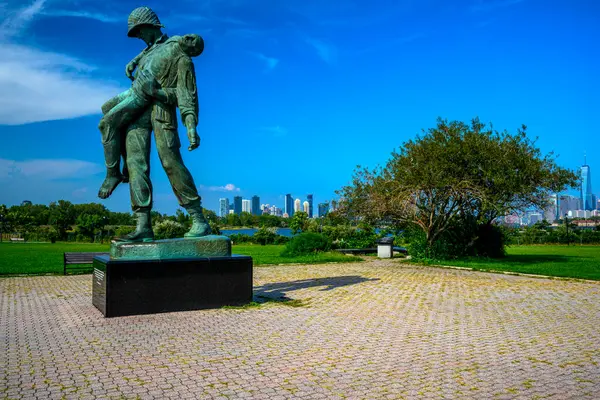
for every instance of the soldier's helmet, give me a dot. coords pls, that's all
(141, 16)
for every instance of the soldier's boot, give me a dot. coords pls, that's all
(143, 230)
(200, 226)
(112, 159)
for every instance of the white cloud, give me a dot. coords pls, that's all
(326, 51)
(80, 192)
(385, 44)
(276, 131)
(17, 20)
(47, 169)
(270, 62)
(230, 187)
(110, 19)
(40, 85)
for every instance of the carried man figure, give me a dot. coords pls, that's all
(164, 80)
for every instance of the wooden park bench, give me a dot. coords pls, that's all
(78, 259)
(17, 239)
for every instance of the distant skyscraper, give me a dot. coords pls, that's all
(323, 209)
(256, 206)
(551, 213)
(535, 217)
(246, 206)
(297, 205)
(289, 205)
(309, 198)
(237, 205)
(567, 203)
(223, 207)
(306, 207)
(586, 196)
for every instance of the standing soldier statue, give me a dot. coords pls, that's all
(163, 79)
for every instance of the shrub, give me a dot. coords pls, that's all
(123, 230)
(360, 238)
(238, 238)
(280, 239)
(490, 241)
(463, 238)
(168, 229)
(306, 243)
(81, 238)
(265, 236)
(214, 227)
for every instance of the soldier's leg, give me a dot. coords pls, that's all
(113, 143)
(168, 146)
(123, 109)
(137, 142)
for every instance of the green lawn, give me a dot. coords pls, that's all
(47, 258)
(564, 261)
(266, 255)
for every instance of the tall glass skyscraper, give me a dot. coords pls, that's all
(323, 209)
(256, 205)
(237, 205)
(309, 198)
(289, 205)
(223, 207)
(586, 196)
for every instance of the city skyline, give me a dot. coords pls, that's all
(254, 206)
(563, 205)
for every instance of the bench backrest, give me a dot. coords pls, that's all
(81, 258)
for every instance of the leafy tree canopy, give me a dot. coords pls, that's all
(455, 171)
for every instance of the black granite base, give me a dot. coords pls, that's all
(154, 286)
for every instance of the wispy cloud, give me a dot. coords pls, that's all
(270, 62)
(487, 5)
(16, 20)
(80, 192)
(276, 131)
(230, 187)
(384, 44)
(39, 85)
(48, 86)
(327, 52)
(47, 169)
(84, 14)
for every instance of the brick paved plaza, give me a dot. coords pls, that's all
(375, 330)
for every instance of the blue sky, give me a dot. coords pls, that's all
(294, 93)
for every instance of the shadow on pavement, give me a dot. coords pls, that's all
(280, 289)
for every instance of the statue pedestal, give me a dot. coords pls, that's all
(132, 286)
(205, 246)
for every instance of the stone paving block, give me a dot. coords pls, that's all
(373, 330)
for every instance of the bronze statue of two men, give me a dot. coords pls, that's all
(163, 78)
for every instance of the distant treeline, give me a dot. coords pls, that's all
(543, 233)
(65, 221)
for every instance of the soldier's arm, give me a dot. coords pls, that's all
(187, 99)
(130, 67)
(187, 92)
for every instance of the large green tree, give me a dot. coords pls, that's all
(61, 216)
(455, 171)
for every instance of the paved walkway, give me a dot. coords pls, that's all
(375, 330)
